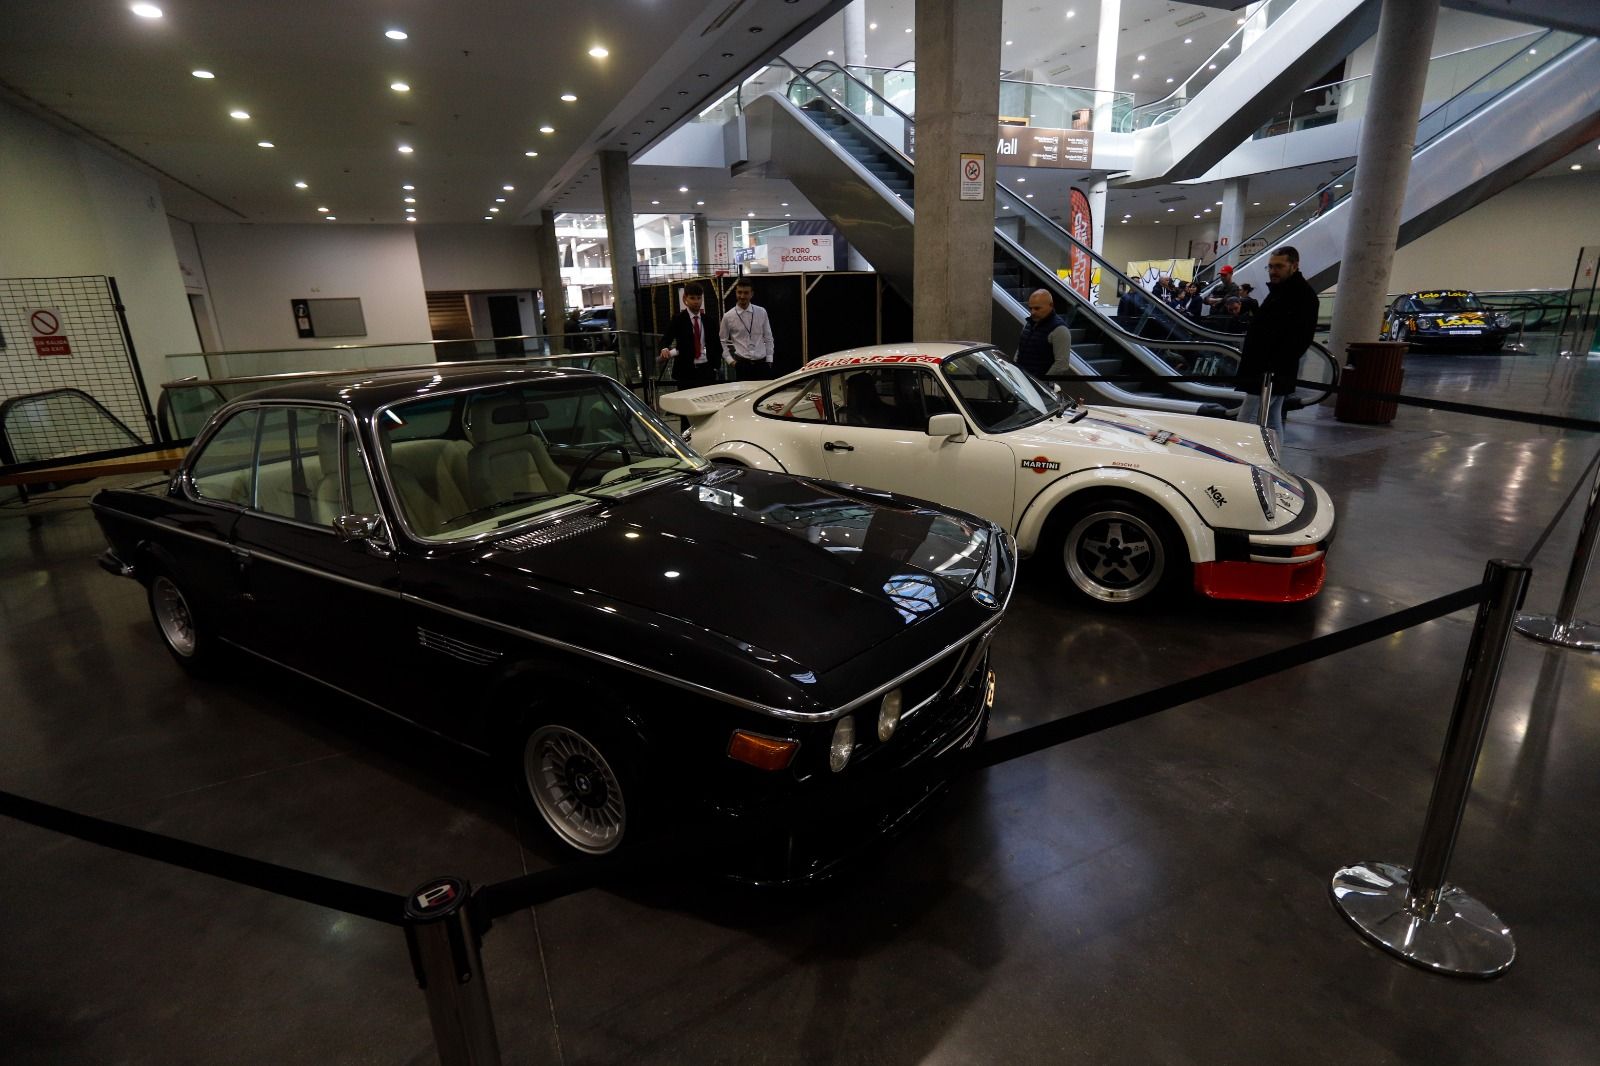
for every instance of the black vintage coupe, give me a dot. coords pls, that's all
(530, 563)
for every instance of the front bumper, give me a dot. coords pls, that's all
(1286, 566)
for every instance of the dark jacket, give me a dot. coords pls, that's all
(1279, 335)
(680, 335)
(1034, 352)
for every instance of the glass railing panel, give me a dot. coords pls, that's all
(1158, 111)
(1528, 59)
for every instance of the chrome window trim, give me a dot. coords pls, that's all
(586, 653)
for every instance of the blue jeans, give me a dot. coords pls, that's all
(1250, 411)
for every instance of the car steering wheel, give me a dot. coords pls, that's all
(583, 464)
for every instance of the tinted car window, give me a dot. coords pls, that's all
(222, 470)
(801, 400)
(1447, 301)
(886, 397)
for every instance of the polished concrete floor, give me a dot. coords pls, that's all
(1157, 893)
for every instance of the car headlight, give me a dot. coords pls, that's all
(889, 715)
(1503, 321)
(844, 744)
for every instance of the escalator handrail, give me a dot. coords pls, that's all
(1348, 176)
(1209, 339)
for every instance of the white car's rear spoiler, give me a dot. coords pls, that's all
(695, 404)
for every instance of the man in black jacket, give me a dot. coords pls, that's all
(1278, 336)
(694, 334)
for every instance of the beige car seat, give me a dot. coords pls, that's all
(507, 458)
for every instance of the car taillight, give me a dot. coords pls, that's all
(764, 753)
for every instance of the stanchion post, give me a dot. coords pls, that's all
(1562, 628)
(444, 944)
(1412, 912)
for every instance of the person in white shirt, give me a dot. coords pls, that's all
(747, 335)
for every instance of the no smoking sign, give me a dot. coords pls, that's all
(48, 339)
(972, 176)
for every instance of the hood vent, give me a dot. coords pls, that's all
(559, 531)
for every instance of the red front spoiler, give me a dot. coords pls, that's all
(1262, 582)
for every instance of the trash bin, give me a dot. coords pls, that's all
(1375, 365)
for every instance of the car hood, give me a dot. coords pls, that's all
(1454, 320)
(1212, 461)
(808, 570)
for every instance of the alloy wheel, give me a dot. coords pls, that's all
(575, 788)
(173, 616)
(1114, 556)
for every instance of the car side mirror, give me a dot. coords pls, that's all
(951, 426)
(359, 527)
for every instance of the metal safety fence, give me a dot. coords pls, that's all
(1411, 911)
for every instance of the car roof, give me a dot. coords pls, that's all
(924, 352)
(1440, 292)
(364, 391)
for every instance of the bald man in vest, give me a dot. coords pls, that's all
(1045, 336)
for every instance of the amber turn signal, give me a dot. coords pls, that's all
(764, 753)
(1304, 549)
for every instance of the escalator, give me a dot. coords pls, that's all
(1526, 113)
(847, 159)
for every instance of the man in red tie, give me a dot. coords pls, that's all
(692, 336)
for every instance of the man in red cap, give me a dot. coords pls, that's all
(1223, 289)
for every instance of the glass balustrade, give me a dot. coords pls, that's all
(1530, 55)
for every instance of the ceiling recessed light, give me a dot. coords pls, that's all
(598, 52)
(787, 214)
(329, 218)
(499, 199)
(683, 188)
(411, 218)
(1339, 186)
(830, 51)
(322, 210)
(494, 210)
(908, 29)
(1197, 216)
(1136, 77)
(569, 98)
(399, 86)
(872, 25)
(1028, 197)
(395, 35)
(784, 204)
(265, 144)
(1238, 22)
(411, 210)
(1255, 203)
(1218, 204)
(655, 203)
(1123, 221)
(1171, 209)
(749, 214)
(410, 200)
(488, 218)
(547, 129)
(405, 149)
(1188, 40)
(530, 155)
(1212, 67)
(204, 75)
(699, 203)
(146, 11)
(1072, 14)
(1293, 203)
(1022, 179)
(301, 185)
(509, 188)
(238, 114)
(1577, 166)
(1169, 81)
(409, 188)
(1139, 58)
(1010, 43)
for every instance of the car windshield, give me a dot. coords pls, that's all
(998, 394)
(467, 463)
(1430, 302)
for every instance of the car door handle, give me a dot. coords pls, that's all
(837, 446)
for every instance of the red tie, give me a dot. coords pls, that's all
(699, 348)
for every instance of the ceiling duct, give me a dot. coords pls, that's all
(1196, 17)
(727, 13)
(1056, 72)
(1172, 199)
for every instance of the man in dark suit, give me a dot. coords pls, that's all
(1277, 337)
(694, 335)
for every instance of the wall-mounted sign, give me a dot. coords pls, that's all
(302, 318)
(49, 334)
(1080, 225)
(1042, 146)
(972, 166)
(719, 246)
(795, 253)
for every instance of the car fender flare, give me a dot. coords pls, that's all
(1196, 534)
(746, 454)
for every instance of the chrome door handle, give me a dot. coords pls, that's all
(837, 446)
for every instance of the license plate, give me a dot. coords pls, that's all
(1464, 332)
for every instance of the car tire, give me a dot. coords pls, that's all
(182, 629)
(1402, 335)
(582, 779)
(1116, 551)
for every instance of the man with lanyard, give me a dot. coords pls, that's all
(747, 335)
(1045, 336)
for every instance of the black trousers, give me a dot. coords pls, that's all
(752, 369)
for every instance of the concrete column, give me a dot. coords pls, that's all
(1230, 222)
(1105, 62)
(702, 242)
(958, 83)
(666, 231)
(618, 194)
(548, 251)
(1383, 165)
(855, 48)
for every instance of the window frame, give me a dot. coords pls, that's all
(928, 373)
(827, 418)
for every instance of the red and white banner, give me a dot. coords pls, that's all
(1081, 225)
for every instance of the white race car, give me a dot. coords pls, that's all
(1124, 502)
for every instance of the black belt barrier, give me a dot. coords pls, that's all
(342, 896)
